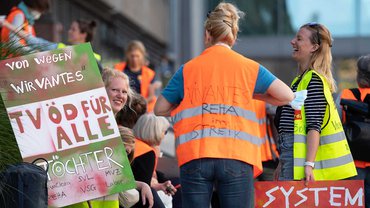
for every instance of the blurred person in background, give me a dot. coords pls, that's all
(80, 31)
(23, 17)
(141, 76)
(363, 81)
(312, 144)
(215, 124)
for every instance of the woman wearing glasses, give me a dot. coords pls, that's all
(312, 143)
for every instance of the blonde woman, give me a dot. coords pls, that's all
(312, 143)
(210, 101)
(118, 89)
(141, 76)
(149, 131)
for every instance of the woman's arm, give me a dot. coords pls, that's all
(313, 139)
(278, 93)
(163, 107)
(18, 32)
(315, 107)
(171, 96)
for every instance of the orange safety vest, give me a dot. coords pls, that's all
(5, 32)
(216, 118)
(347, 94)
(147, 75)
(143, 148)
(268, 147)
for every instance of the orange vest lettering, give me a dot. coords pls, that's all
(147, 75)
(347, 94)
(216, 118)
(5, 32)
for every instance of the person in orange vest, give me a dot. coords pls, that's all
(210, 99)
(141, 76)
(269, 153)
(149, 131)
(23, 17)
(130, 198)
(363, 81)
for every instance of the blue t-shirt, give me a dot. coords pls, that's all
(174, 91)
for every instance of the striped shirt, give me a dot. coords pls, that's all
(315, 106)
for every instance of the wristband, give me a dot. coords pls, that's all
(312, 164)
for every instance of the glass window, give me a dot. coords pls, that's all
(344, 18)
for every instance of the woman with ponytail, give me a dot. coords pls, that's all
(312, 143)
(210, 100)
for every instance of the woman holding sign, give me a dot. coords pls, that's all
(210, 100)
(312, 143)
(119, 91)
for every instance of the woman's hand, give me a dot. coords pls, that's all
(308, 171)
(146, 193)
(166, 187)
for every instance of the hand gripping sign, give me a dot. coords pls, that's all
(344, 193)
(60, 111)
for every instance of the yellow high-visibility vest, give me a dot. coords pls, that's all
(110, 201)
(333, 158)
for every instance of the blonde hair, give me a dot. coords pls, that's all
(149, 128)
(128, 137)
(108, 74)
(136, 45)
(223, 23)
(321, 60)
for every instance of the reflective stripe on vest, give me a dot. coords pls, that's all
(216, 118)
(333, 158)
(28, 29)
(147, 75)
(216, 108)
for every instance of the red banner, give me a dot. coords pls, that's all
(287, 194)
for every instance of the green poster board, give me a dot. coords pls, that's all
(60, 111)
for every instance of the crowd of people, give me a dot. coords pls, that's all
(220, 104)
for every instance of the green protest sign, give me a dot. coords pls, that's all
(59, 110)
